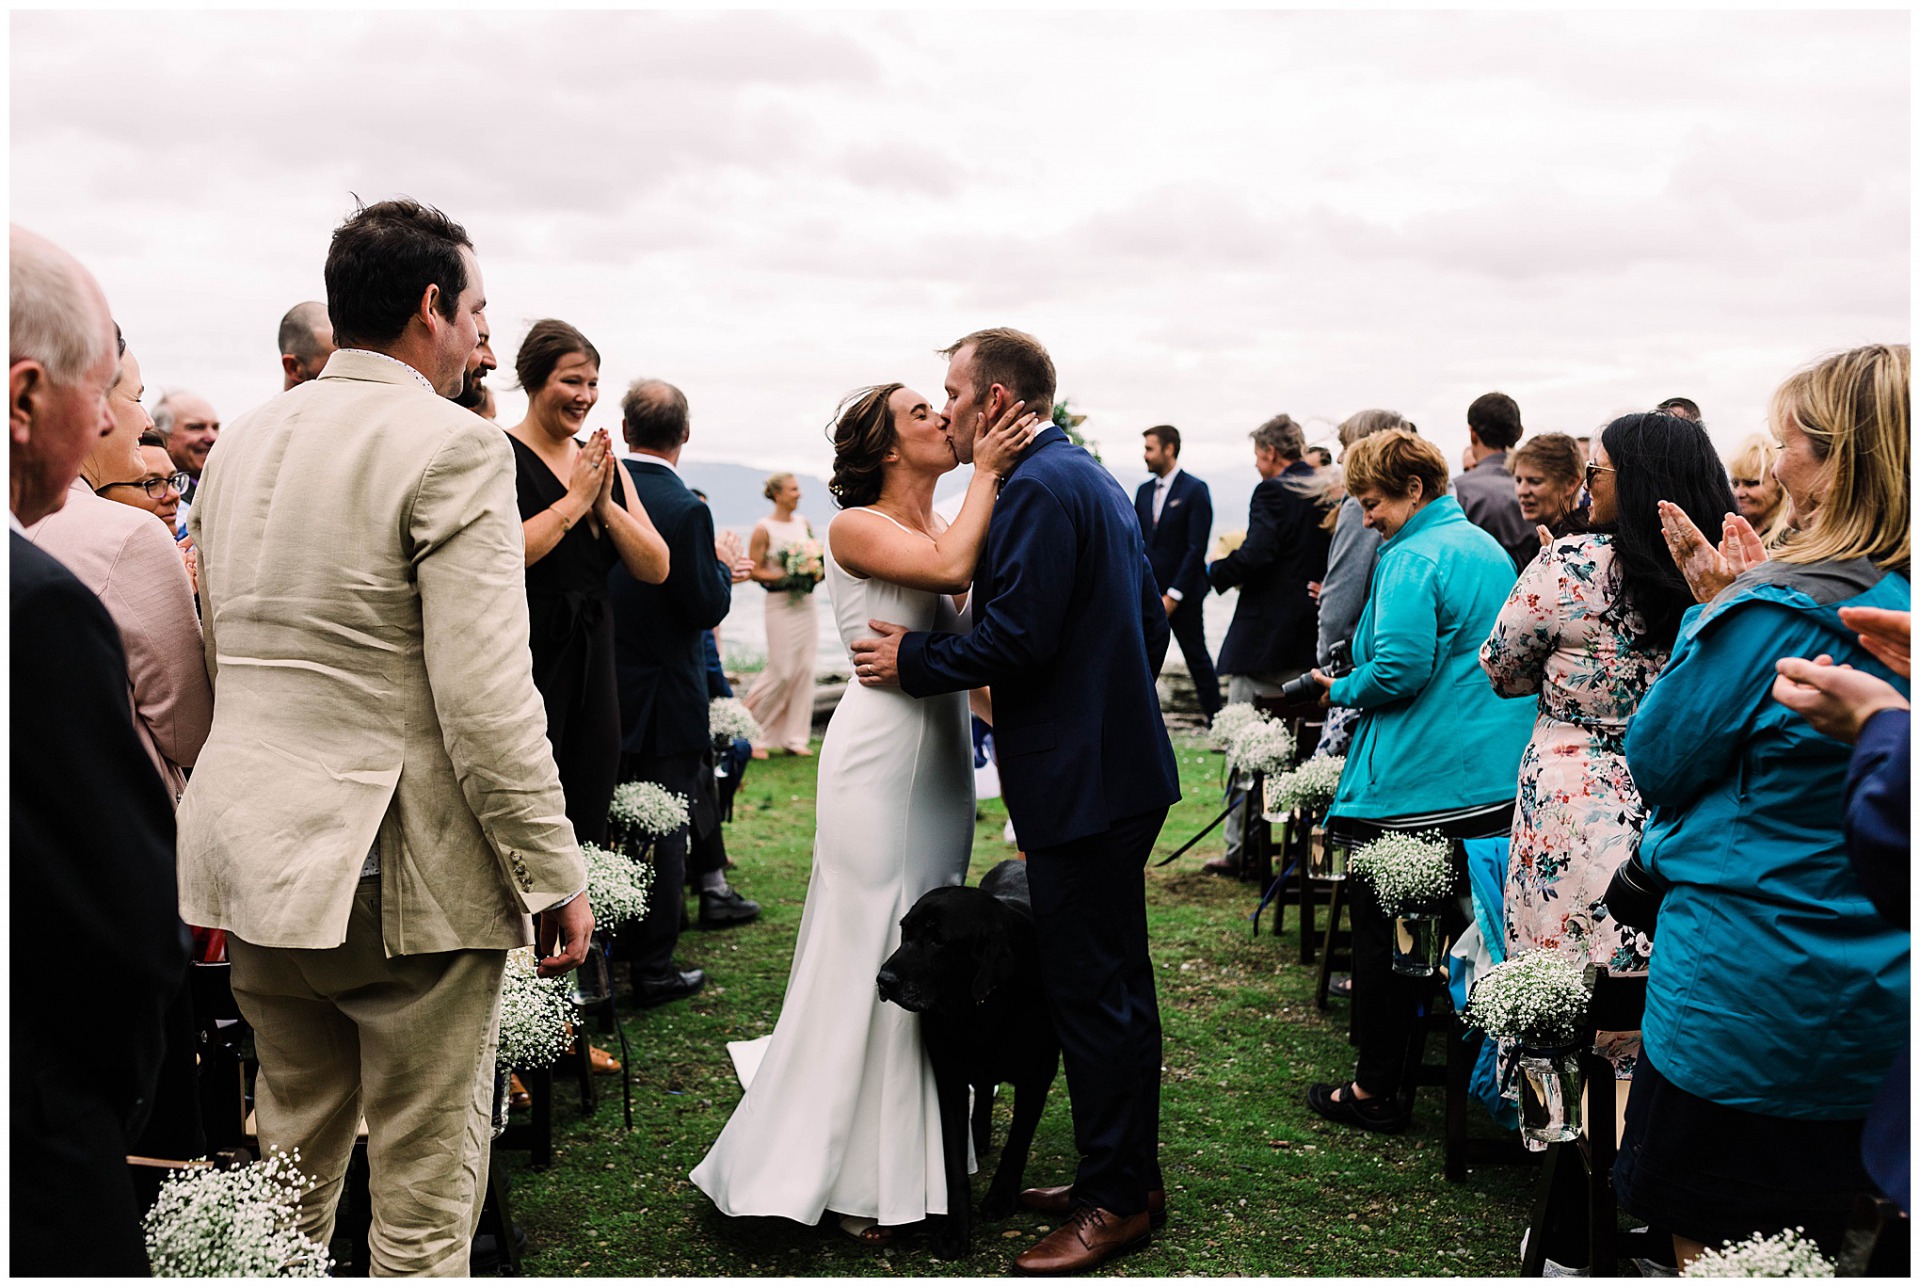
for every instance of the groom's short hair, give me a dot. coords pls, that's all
(1013, 360)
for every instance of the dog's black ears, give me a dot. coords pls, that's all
(994, 959)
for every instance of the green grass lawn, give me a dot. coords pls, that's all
(1257, 1184)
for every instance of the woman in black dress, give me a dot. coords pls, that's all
(579, 521)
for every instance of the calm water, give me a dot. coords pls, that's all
(743, 634)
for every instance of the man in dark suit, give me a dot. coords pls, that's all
(1176, 522)
(92, 829)
(1068, 630)
(1275, 624)
(661, 666)
(1485, 488)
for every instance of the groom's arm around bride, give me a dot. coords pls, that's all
(1068, 631)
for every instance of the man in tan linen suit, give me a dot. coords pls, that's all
(363, 598)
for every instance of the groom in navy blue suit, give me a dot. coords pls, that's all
(1068, 631)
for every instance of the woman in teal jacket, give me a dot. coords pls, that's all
(1436, 748)
(1777, 998)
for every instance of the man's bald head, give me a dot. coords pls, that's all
(62, 358)
(654, 417)
(306, 342)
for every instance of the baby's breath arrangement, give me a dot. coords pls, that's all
(1229, 720)
(1265, 747)
(728, 718)
(1311, 786)
(534, 1015)
(1787, 1254)
(1537, 998)
(1406, 869)
(647, 809)
(243, 1223)
(617, 885)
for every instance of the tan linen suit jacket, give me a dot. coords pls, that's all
(363, 598)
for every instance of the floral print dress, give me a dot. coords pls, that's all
(1578, 816)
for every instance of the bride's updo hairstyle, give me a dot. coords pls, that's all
(862, 435)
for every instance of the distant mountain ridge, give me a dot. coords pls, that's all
(737, 494)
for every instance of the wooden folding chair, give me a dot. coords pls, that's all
(1576, 1178)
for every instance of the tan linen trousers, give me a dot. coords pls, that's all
(408, 1043)
(781, 698)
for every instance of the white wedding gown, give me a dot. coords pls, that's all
(840, 1112)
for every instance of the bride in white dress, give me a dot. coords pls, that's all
(840, 1113)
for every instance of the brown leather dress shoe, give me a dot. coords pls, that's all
(1058, 1200)
(1090, 1239)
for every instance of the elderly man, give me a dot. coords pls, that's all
(306, 342)
(376, 813)
(190, 427)
(92, 830)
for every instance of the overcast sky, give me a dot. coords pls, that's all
(1207, 218)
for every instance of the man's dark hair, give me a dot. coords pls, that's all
(1013, 360)
(1322, 457)
(153, 438)
(1684, 407)
(1169, 438)
(653, 416)
(380, 262)
(1496, 418)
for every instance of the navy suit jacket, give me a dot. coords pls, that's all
(93, 861)
(1069, 632)
(1177, 544)
(658, 654)
(1276, 624)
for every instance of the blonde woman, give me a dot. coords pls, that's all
(1757, 494)
(1777, 998)
(781, 698)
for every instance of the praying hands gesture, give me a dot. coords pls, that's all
(1708, 569)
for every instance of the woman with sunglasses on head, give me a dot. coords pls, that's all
(1588, 627)
(129, 559)
(1777, 998)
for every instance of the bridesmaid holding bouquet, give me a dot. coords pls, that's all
(787, 562)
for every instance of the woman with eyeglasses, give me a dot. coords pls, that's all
(1777, 998)
(157, 490)
(128, 558)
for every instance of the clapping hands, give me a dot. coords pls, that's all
(1707, 568)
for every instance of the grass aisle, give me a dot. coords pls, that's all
(1257, 1183)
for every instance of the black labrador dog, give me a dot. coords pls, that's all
(969, 965)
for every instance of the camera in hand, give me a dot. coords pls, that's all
(1307, 688)
(1634, 895)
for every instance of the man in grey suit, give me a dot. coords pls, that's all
(1485, 490)
(376, 813)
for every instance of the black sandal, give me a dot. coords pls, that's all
(1377, 1114)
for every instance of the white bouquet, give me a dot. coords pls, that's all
(1229, 720)
(617, 886)
(243, 1223)
(648, 809)
(1785, 1255)
(1406, 869)
(1312, 786)
(1263, 747)
(1537, 998)
(535, 1014)
(728, 718)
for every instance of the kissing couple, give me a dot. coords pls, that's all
(1037, 606)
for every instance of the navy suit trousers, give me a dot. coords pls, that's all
(1090, 907)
